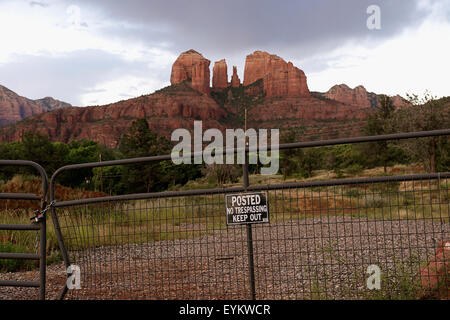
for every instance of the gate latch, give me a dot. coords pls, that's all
(39, 214)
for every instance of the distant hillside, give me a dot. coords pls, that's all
(51, 104)
(357, 96)
(14, 108)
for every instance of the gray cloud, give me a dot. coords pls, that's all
(228, 27)
(299, 31)
(67, 77)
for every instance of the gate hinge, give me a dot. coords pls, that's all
(40, 214)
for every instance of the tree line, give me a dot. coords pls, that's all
(424, 114)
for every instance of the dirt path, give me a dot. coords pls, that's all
(306, 259)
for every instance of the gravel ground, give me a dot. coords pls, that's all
(306, 259)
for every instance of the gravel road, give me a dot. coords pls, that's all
(322, 257)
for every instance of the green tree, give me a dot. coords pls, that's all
(81, 152)
(38, 148)
(289, 158)
(310, 159)
(426, 113)
(140, 141)
(379, 122)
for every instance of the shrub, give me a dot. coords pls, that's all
(354, 169)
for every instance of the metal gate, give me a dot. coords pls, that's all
(38, 225)
(325, 240)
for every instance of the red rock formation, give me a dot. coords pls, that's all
(235, 81)
(399, 102)
(434, 280)
(192, 65)
(281, 79)
(51, 104)
(360, 97)
(170, 108)
(220, 75)
(342, 93)
(290, 104)
(306, 109)
(14, 108)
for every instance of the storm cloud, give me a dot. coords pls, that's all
(75, 49)
(221, 27)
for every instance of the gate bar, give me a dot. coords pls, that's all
(19, 196)
(319, 183)
(14, 283)
(19, 227)
(21, 256)
(42, 256)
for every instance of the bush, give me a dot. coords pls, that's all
(374, 201)
(353, 193)
(354, 169)
(338, 172)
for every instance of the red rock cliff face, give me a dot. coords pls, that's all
(342, 93)
(170, 108)
(192, 65)
(281, 79)
(399, 102)
(235, 81)
(14, 108)
(279, 99)
(220, 75)
(360, 97)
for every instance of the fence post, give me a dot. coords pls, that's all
(43, 254)
(251, 262)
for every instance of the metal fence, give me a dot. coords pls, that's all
(326, 239)
(38, 225)
(323, 241)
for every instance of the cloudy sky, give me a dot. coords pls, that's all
(90, 52)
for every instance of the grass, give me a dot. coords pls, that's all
(9, 265)
(400, 281)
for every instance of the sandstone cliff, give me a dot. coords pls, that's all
(48, 103)
(173, 107)
(281, 79)
(360, 97)
(192, 66)
(343, 93)
(220, 75)
(274, 92)
(400, 102)
(235, 81)
(14, 108)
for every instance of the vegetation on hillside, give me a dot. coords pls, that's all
(427, 113)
